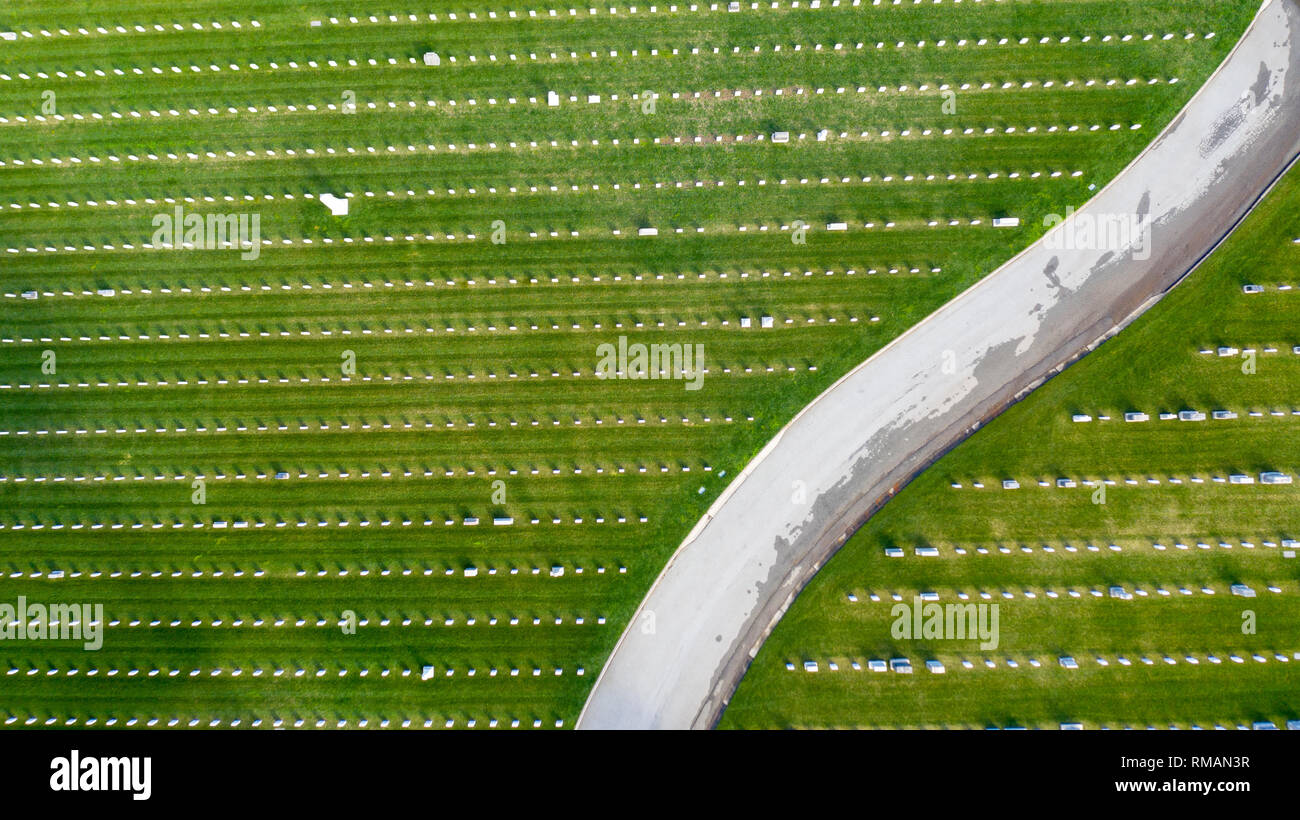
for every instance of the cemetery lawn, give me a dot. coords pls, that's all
(130, 373)
(1152, 366)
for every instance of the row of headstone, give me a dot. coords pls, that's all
(241, 380)
(933, 551)
(1067, 662)
(281, 523)
(130, 28)
(470, 280)
(344, 474)
(274, 722)
(1118, 591)
(553, 99)
(1267, 477)
(299, 672)
(492, 57)
(383, 571)
(219, 427)
(452, 237)
(592, 11)
(188, 332)
(1220, 414)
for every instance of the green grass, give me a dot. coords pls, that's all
(1152, 366)
(460, 307)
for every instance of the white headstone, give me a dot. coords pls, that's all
(338, 205)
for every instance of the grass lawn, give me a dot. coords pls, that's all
(403, 372)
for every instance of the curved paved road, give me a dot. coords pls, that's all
(737, 571)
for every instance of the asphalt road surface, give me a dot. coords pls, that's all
(695, 633)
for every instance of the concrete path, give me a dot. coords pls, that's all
(729, 582)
